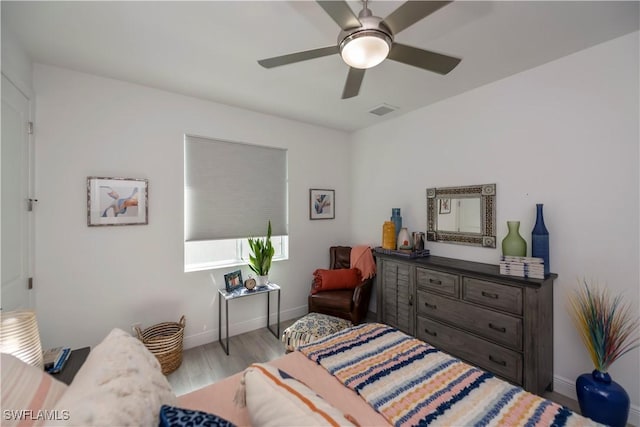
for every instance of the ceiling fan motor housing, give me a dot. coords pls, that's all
(372, 27)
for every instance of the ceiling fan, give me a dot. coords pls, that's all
(367, 40)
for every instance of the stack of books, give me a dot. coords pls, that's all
(530, 267)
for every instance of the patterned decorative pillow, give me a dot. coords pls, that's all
(171, 416)
(275, 399)
(310, 328)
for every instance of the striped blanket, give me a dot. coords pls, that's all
(411, 383)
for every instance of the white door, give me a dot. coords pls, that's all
(15, 218)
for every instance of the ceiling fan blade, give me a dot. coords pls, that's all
(354, 81)
(340, 12)
(410, 13)
(277, 61)
(431, 61)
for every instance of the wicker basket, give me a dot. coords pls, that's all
(164, 340)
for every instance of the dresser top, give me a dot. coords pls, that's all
(467, 267)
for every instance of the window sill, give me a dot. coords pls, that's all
(189, 268)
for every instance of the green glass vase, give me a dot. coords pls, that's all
(514, 244)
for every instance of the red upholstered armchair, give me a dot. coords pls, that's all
(350, 304)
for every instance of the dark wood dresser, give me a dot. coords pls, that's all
(503, 324)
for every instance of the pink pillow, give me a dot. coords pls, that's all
(342, 278)
(27, 388)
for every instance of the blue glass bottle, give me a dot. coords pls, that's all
(397, 220)
(540, 239)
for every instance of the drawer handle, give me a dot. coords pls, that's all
(497, 328)
(499, 362)
(490, 295)
(435, 282)
(428, 332)
(426, 304)
(410, 300)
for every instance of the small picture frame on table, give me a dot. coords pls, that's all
(117, 201)
(233, 281)
(322, 204)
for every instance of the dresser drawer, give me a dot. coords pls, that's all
(436, 281)
(498, 327)
(502, 297)
(491, 357)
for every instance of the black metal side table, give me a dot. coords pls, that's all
(240, 293)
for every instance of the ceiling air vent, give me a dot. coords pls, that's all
(383, 109)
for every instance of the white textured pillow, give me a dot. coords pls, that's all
(120, 384)
(275, 399)
(27, 392)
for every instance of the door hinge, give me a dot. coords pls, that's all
(30, 283)
(30, 128)
(30, 204)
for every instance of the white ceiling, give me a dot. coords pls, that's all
(209, 49)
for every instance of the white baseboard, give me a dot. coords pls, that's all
(568, 388)
(237, 328)
(565, 387)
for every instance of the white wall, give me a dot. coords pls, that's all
(16, 64)
(92, 279)
(564, 134)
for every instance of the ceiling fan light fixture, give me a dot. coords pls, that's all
(365, 49)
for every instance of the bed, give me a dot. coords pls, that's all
(374, 375)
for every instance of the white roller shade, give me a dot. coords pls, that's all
(232, 189)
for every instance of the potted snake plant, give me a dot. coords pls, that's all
(260, 258)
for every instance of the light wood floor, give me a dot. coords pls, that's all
(208, 363)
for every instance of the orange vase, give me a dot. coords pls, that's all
(388, 235)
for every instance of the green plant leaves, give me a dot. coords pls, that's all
(607, 325)
(262, 252)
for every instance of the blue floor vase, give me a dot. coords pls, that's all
(602, 399)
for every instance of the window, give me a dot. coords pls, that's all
(231, 192)
(208, 254)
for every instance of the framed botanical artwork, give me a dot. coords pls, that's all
(445, 206)
(233, 280)
(322, 204)
(117, 201)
